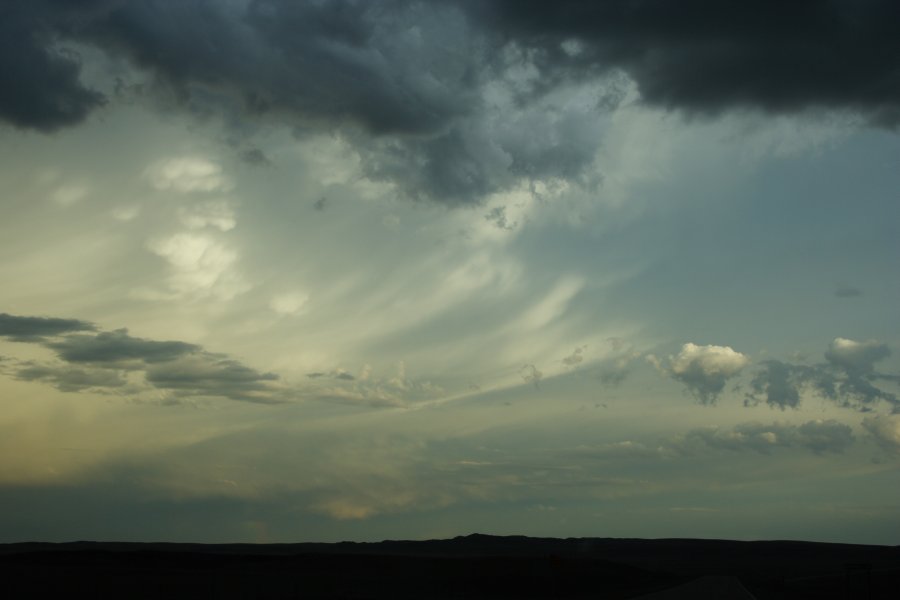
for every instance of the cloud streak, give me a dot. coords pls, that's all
(819, 436)
(31, 329)
(102, 361)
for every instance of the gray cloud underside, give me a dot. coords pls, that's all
(708, 56)
(35, 328)
(415, 86)
(780, 384)
(100, 362)
(816, 436)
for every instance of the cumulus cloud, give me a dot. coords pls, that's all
(778, 384)
(819, 436)
(35, 328)
(706, 369)
(885, 429)
(846, 378)
(856, 357)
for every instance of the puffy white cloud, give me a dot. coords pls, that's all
(188, 174)
(858, 357)
(705, 369)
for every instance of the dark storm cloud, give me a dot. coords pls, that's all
(39, 85)
(452, 101)
(707, 56)
(34, 328)
(816, 436)
(320, 61)
(117, 347)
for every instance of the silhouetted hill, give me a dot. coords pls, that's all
(474, 566)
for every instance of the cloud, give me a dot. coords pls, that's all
(705, 369)
(115, 361)
(34, 328)
(39, 84)
(117, 348)
(188, 174)
(843, 290)
(200, 265)
(615, 369)
(431, 102)
(207, 374)
(704, 56)
(455, 101)
(885, 429)
(289, 303)
(217, 214)
(856, 357)
(778, 384)
(576, 358)
(69, 379)
(819, 436)
(338, 374)
(845, 379)
(531, 374)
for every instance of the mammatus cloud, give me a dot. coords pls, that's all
(705, 369)
(846, 378)
(32, 329)
(818, 436)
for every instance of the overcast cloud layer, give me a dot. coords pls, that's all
(284, 271)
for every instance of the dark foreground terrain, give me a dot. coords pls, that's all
(474, 566)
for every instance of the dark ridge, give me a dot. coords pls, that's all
(473, 566)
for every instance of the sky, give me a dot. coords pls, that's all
(279, 271)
